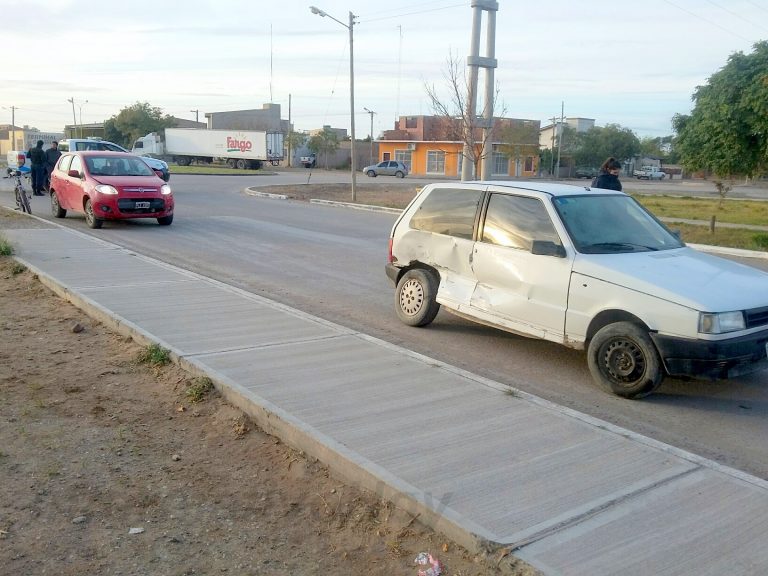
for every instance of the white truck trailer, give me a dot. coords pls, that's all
(239, 148)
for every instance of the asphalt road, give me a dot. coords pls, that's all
(329, 262)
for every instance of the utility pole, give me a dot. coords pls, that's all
(81, 117)
(552, 154)
(352, 104)
(371, 112)
(74, 116)
(197, 115)
(290, 131)
(13, 127)
(560, 140)
(475, 62)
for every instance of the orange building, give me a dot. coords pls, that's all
(431, 146)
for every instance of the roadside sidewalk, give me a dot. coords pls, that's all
(487, 465)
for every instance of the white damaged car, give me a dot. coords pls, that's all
(587, 268)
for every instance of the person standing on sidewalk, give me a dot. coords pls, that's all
(52, 156)
(608, 177)
(37, 157)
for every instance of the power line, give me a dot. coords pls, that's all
(396, 11)
(414, 12)
(757, 6)
(707, 20)
(739, 16)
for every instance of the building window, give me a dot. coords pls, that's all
(411, 122)
(404, 156)
(500, 164)
(435, 162)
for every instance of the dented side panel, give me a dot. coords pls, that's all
(527, 289)
(450, 256)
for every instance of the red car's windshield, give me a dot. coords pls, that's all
(121, 166)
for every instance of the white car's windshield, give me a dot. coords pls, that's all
(601, 224)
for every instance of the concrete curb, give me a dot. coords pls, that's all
(730, 251)
(252, 192)
(368, 207)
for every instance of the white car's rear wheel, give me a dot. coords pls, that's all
(415, 297)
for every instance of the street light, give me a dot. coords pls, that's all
(74, 118)
(350, 27)
(371, 112)
(81, 116)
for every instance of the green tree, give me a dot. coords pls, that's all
(727, 131)
(324, 142)
(294, 140)
(134, 121)
(597, 144)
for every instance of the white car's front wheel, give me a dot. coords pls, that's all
(622, 357)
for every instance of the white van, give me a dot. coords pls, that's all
(16, 159)
(587, 268)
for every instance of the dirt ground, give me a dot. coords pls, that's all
(392, 194)
(108, 466)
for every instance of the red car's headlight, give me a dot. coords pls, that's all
(105, 189)
(165, 189)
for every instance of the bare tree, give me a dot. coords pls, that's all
(461, 121)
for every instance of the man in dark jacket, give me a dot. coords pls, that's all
(52, 156)
(37, 157)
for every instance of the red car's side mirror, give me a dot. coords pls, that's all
(159, 173)
(73, 174)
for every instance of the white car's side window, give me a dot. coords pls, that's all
(449, 211)
(516, 221)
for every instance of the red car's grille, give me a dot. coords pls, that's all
(139, 190)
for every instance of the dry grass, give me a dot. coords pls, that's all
(731, 211)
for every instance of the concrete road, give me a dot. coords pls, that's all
(329, 262)
(701, 188)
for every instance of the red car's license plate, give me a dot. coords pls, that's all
(142, 204)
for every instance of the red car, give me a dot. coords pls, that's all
(109, 186)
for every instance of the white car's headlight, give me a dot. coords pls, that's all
(719, 323)
(106, 189)
(165, 189)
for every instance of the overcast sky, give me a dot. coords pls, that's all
(631, 63)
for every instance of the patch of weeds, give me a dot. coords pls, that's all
(18, 268)
(512, 392)
(6, 248)
(240, 428)
(395, 549)
(761, 241)
(154, 354)
(199, 389)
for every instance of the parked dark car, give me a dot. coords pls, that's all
(585, 172)
(387, 168)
